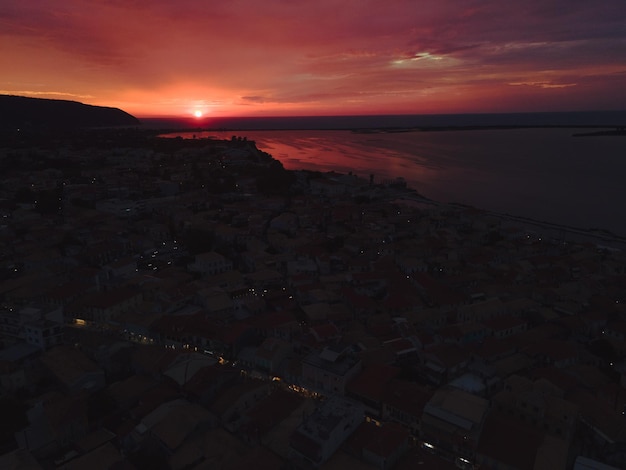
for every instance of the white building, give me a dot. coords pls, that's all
(329, 371)
(39, 326)
(211, 263)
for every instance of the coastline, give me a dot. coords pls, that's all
(540, 178)
(555, 231)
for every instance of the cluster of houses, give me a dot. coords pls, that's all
(189, 304)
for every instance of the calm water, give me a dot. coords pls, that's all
(544, 174)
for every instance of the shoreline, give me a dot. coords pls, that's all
(593, 233)
(581, 234)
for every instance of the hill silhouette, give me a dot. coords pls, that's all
(20, 112)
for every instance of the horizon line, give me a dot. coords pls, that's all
(291, 116)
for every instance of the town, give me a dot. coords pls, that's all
(190, 304)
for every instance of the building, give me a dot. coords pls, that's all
(369, 386)
(211, 263)
(508, 443)
(538, 403)
(404, 402)
(105, 306)
(452, 423)
(329, 371)
(324, 431)
(381, 446)
(55, 420)
(44, 334)
(40, 326)
(73, 370)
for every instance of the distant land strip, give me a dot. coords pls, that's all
(618, 131)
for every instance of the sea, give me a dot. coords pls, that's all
(531, 165)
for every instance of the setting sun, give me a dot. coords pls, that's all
(197, 113)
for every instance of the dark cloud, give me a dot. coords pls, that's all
(254, 99)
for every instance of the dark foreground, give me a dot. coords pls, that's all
(191, 304)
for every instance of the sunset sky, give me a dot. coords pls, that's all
(317, 57)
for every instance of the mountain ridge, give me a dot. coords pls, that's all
(22, 112)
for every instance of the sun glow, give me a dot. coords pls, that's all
(197, 113)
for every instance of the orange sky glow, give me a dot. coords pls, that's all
(328, 57)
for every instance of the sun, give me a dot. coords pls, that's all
(197, 113)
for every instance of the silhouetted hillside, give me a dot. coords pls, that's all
(22, 112)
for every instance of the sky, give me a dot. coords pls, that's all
(317, 57)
